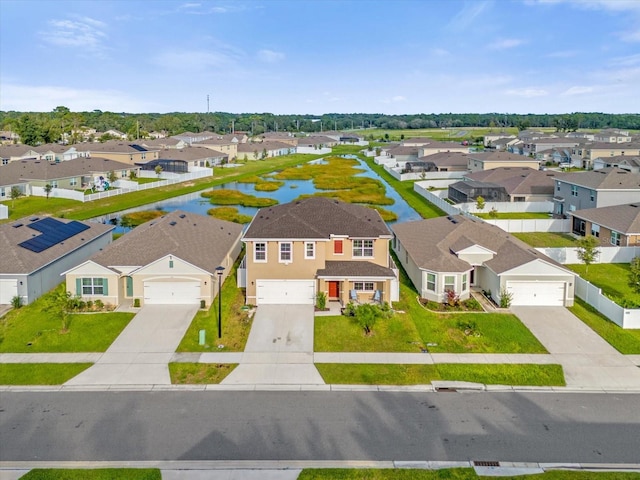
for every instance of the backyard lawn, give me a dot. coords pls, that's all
(36, 328)
(613, 279)
(514, 216)
(546, 239)
(626, 341)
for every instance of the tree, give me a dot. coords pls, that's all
(634, 274)
(132, 175)
(112, 176)
(59, 303)
(587, 250)
(158, 170)
(47, 190)
(15, 193)
(480, 203)
(367, 315)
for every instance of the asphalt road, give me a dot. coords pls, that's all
(135, 426)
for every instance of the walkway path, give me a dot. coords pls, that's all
(279, 349)
(141, 353)
(587, 360)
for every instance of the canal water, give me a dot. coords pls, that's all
(292, 189)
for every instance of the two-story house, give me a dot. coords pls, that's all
(295, 250)
(617, 225)
(597, 188)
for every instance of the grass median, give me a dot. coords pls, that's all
(93, 474)
(452, 474)
(199, 373)
(405, 374)
(39, 373)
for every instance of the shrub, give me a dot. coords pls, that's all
(350, 310)
(493, 213)
(321, 300)
(136, 302)
(472, 304)
(89, 305)
(203, 304)
(16, 301)
(505, 298)
(452, 299)
(99, 304)
(469, 327)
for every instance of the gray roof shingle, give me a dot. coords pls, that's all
(621, 218)
(354, 269)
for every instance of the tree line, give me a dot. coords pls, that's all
(46, 127)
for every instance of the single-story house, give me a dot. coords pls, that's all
(617, 225)
(297, 249)
(489, 160)
(170, 260)
(439, 162)
(36, 250)
(457, 253)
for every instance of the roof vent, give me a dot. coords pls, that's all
(182, 216)
(18, 225)
(632, 205)
(33, 219)
(172, 223)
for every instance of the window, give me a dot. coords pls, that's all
(449, 283)
(285, 252)
(431, 282)
(309, 250)
(574, 190)
(337, 247)
(595, 230)
(260, 252)
(73, 182)
(93, 286)
(363, 286)
(54, 183)
(615, 238)
(363, 248)
(572, 208)
(592, 195)
(558, 186)
(123, 174)
(464, 282)
(5, 161)
(581, 227)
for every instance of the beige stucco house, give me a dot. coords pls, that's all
(488, 160)
(457, 254)
(170, 260)
(295, 250)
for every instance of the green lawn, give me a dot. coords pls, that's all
(626, 341)
(394, 374)
(236, 322)
(451, 474)
(39, 373)
(199, 373)
(613, 279)
(514, 216)
(417, 327)
(34, 328)
(94, 474)
(546, 239)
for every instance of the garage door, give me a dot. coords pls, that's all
(8, 290)
(537, 293)
(285, 291)
(171, 292)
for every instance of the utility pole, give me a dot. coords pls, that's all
(207, 104)
(233, 126)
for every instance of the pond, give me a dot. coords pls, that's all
(292, 189)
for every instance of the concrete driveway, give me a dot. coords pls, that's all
(141, 353)
(587, 360)
(279, 349)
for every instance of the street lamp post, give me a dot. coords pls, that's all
(219, 271)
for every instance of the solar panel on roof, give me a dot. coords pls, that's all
(52, 232)
(138, 147)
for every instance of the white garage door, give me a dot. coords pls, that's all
(285, 291)
(172, 292)
(537, 293)
(8, 290)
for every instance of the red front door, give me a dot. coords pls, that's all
(334, 289)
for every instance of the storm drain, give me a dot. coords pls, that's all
(485, 463)
(446, 389)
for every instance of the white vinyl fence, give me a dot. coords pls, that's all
(606, 255)
(432, 197)
(313, 150)
(4, 211)
(80, 196)
(545, 206)
(623, 317)
(532, 225)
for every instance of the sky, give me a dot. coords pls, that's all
(321, 56)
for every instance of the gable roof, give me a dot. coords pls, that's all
(431, 244)
(441, 159)
(22, 171)
(518, 180)
(316, 217)
(500, 157)
(621, 218)
(200, 240)
(18, 260)
(604, 179)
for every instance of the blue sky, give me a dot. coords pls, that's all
(299, 56)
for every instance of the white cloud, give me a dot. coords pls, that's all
(578, 90)
(193, 60)
(468, 14)
(626, 61)
(505, 44)
(440, 52)
(81, 32)
(43, 98)
(610, 5)
(632, 36)
(562, 54)
(528, 92)
(270, 56)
